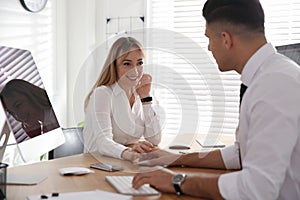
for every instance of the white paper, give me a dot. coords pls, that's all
(25, 179)
(90, 195)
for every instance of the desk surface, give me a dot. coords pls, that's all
(57, 183)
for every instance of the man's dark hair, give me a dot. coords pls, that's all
(238, 12)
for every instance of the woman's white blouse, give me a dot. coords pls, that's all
(110, 122)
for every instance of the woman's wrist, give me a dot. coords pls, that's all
(129, 154)
(124, 153)
(146, 103)
(143, 95)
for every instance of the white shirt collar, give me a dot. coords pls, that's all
(255, 62)
(116, 89)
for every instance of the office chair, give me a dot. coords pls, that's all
(73, 145)
(290, 50)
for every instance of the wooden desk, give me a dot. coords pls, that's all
(57, 183)
(167, 139)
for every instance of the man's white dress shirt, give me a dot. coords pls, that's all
(110, 122)
(268, 136)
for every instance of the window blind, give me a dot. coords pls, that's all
(193, 96)
(31, 31)
(282, 21)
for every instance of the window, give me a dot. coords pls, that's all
(31, 31)
(192, 95)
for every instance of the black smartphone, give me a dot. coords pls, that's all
(106, 167)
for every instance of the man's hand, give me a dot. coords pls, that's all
(158, 157)
(158, 177)
(203, 185)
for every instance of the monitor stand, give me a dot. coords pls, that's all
(5, 132)
(12, 178)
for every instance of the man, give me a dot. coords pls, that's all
(267, 150)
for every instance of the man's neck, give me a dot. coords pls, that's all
(246, 51)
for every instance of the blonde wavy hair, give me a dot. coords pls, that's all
(108, 75)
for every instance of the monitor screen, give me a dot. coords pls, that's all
(29, 113)
(291, 50)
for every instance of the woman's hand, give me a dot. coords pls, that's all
(129, 154)
(144, 86)
(143, 147)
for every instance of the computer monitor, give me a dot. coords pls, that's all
(29, 113)
(290, 50)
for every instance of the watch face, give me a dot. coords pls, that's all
(178, 178)
(34, 5)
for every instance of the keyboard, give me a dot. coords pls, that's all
(123, 185)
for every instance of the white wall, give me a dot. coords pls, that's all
(59, 100)
(80, 40)
(86, 28)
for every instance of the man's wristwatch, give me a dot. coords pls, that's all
(178, 179)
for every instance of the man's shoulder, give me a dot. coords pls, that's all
(280, 64)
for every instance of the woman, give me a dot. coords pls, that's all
(29, 105)
(118, 108)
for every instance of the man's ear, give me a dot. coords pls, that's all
(227, 39)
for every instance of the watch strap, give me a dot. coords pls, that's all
(177, 181)
(146, 99)
(178, 189)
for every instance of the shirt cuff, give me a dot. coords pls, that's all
(121, 149)
(148, 110)
(230, 156)
(227, 184)
(147, 106)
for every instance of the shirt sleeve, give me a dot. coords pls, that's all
(102, 135)
(271, 137)
(230, 156)
(152, 131)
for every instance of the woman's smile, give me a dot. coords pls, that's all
(132, 78)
